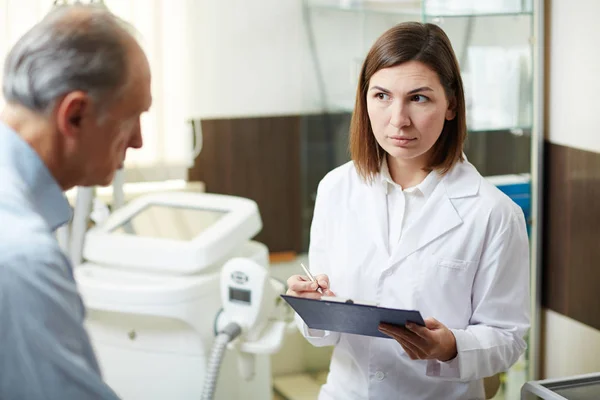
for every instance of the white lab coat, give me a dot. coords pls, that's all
(464, 261)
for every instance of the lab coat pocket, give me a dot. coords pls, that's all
(453, 263)
(445, 287)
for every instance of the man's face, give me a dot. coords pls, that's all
(107, 134)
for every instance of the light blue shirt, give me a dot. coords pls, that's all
(45, 351)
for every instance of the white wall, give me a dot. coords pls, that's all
(572, 348)
(254, 58)
(249, 58)
(574, 78)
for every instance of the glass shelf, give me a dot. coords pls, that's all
(411, 9)
(419, 10)
(515, 130)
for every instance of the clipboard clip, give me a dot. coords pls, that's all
(348, 301)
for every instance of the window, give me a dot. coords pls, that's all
(162, 32)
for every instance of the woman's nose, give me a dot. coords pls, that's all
(400, 117)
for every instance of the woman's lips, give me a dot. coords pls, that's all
(402, 140)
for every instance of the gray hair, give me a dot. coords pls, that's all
(75, 47)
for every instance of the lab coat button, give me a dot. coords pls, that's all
(379, 375)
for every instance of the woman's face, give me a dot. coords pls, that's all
(407, 108)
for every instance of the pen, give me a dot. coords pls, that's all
(312, 278)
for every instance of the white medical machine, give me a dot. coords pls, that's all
(167, 278)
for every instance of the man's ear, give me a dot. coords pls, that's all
(70, 112)
(451, 111)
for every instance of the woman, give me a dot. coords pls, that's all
(409, 223)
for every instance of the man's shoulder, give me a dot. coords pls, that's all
(27, 247)
(38, 258)
(16, 209)
(23, 233)
(20, 223)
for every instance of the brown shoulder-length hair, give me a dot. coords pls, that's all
(410, 41)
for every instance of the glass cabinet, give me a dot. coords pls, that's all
(495, 43)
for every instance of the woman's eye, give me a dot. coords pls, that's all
(382, 96)
(419, 98)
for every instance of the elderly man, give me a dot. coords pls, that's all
(75, 86)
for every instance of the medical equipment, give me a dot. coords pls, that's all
(160, 274)
(211, 227)
(250, 298)
(581, 387)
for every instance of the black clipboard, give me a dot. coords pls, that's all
(347, 317)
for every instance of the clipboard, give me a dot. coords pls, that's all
(349, 317)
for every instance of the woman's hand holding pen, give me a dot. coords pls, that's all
(301, 286)
(434, 341)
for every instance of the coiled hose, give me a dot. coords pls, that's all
(230, 332)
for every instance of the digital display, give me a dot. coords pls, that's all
(169, 222)
(240, 295)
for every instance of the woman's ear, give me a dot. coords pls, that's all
(451, 111)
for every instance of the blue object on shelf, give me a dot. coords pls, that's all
(518, 188)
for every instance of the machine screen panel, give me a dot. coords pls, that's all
(240, 295)
(169, 222)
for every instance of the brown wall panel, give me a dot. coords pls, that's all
(571, 242)
(257, 158)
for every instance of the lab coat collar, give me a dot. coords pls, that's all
(437, 217)
(462, 180)
(426, 186)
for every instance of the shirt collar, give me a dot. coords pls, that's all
(426, 187)
(42, 188)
